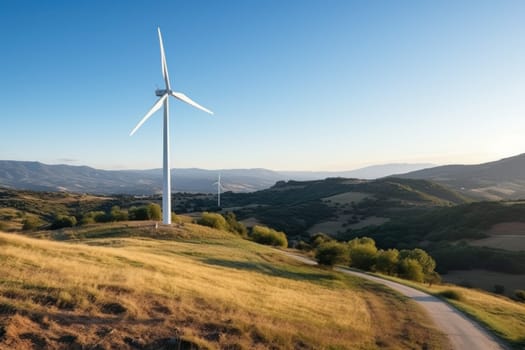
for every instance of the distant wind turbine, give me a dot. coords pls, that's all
(219, 188)
(163, 100)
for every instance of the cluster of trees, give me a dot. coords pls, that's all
(228, 222)
(362, 253)
(259, 234)
(61, 221)
(150, 211)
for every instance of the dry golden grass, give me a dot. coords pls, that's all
(11, 219)
(503, 316)
(189, 286)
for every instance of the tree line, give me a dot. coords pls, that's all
(362, 253)
(258, 233)
(151, 211)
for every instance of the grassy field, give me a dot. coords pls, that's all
(129, 286)
(514, 243)
(486, 280)
(347, 197)
(503, 316)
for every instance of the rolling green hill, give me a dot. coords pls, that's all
(498, 180)
(294, 207)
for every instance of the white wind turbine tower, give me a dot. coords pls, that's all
(163, 100)
(219, 188)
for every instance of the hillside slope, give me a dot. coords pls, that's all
(502, 179)
(297, 206)
(189, 287)
(82, 179)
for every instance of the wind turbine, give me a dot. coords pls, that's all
(163, 100)
(219, 188)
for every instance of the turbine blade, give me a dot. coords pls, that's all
(153, 109)
(163, 62)
(184, 98)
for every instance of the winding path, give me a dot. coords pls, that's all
(464, 334)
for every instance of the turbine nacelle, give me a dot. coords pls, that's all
(162, 92)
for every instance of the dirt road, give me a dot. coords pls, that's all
(463, 333)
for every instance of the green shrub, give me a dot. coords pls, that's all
(268, 236)
(451, 294)
(319, 238)
(117, 214)
(332, 253)
(63, 221)
(235, 226)
(520, 295)
(30, 223)
(139, 213)
(387, 261)
(411, 269)
(428, 264)
(213, 220)
(154, 211)
(94, 216)
(363, 253)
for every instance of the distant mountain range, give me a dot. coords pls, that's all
(82, 179)
(502, 179)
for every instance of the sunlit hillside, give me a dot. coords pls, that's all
(128, 285)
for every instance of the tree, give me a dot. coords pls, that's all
(139, 213)
(319, 238)
(411, 270)
(387, 260)
(154, 211)
(427, 263)
(332, 253)
(117, 214)
(363, 253)
(433, 278)
(362, 241)
(63, 221)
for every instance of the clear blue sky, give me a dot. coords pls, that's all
(295, 85)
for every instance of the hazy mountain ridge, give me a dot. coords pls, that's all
(84, 179)
(501, 179)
